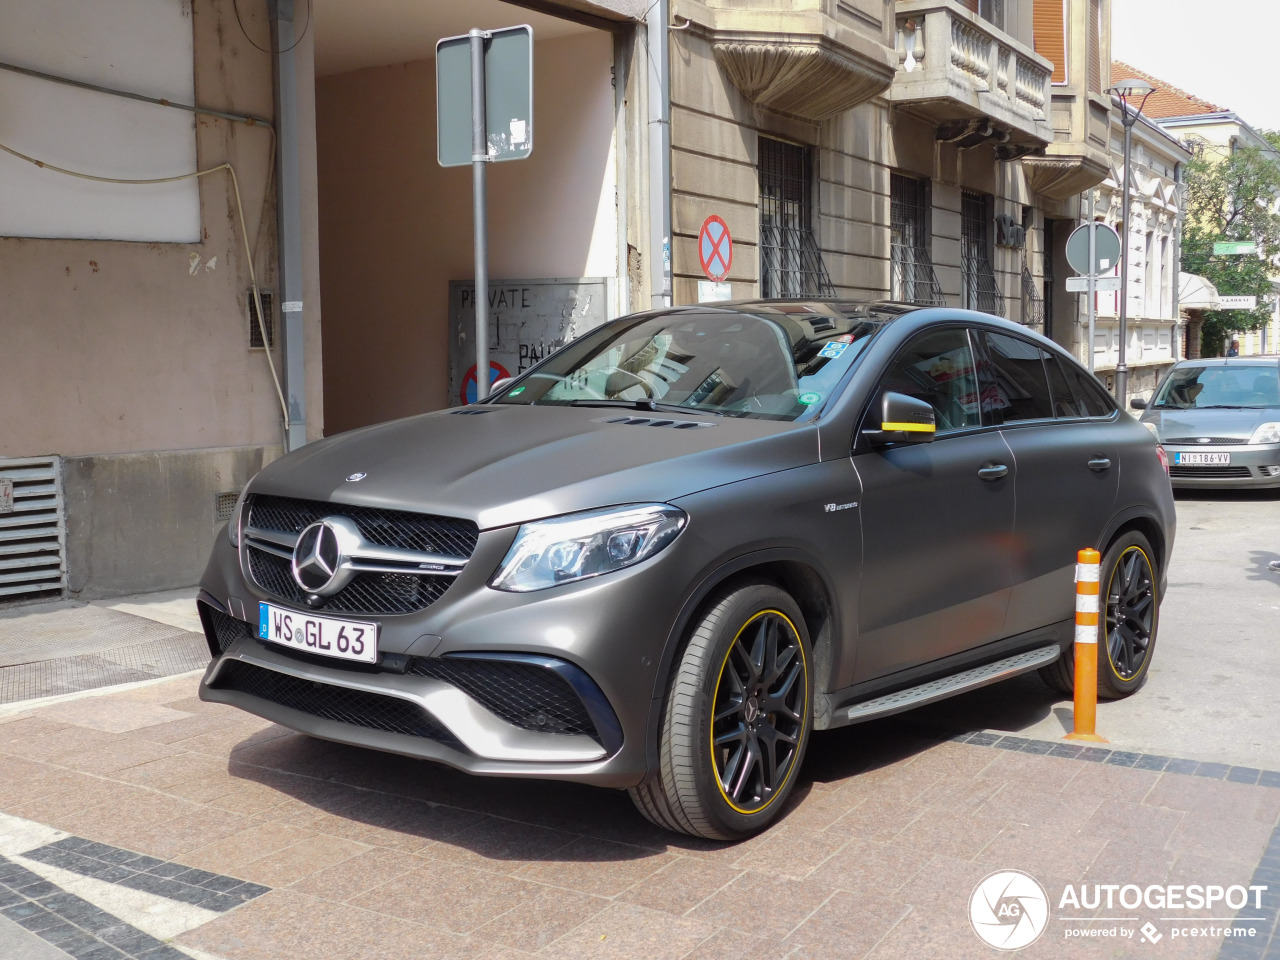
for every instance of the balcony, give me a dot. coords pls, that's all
(974, 82)
(811, 59)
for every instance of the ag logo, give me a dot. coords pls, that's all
(1009, 910)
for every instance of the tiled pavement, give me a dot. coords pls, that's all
(341, 854)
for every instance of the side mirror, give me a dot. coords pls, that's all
(903, 419)
(498, 385)
(1137, 403)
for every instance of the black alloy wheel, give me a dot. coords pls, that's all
(1128, 620)
(1131, 616)
(758, 715)
(736, 719)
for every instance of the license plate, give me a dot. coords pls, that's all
(344, 639)
(1206, 459)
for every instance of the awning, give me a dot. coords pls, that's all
(1196, 293)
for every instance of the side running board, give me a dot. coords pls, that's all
(948, 686)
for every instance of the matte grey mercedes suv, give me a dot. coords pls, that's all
(663, 556)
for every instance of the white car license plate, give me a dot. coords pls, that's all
(1205, 459)
(344, 639)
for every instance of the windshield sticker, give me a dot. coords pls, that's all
(833, 350)
(844, 338)
(517, 391)
(809, 399)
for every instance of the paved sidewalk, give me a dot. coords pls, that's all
(67, 646)
(144, 823)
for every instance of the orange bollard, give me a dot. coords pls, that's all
(1088, 575)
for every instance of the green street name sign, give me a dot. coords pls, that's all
(1235, 247)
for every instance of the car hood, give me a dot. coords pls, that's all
(1225, 422)
(509, 464)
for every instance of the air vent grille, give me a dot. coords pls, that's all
(653, 422)
(32, 529)
(255, 331)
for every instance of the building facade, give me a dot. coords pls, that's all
(1213, 131)
(931, 151)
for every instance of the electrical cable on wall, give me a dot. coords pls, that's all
(244, 233)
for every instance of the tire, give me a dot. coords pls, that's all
(1130, 617)
(744, 679)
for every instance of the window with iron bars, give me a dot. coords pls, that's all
(979, 290)
(911, 274)
(1032, 302)
(790, 262)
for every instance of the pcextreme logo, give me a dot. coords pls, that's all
(1009, 910)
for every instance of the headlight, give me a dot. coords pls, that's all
(581, 545)
(1152, 427)
(233, 525)
(1266, 433)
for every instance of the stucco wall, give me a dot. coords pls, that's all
(131, 359)
(396, 227)
(117, 346)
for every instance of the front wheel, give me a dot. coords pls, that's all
(736, 719)
(1130, 615)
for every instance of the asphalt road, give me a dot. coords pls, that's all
(1214, 690)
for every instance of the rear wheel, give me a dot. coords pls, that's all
(736, 719)
(1127, 625)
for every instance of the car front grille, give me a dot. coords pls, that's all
(387, 528)
(1205, 441)
(1206, 473)
(370, 594)
(523, 694)
(327, 701)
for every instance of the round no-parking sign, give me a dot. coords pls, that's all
(715, 248)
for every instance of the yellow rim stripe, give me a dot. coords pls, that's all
(804, 724)
(910, 427)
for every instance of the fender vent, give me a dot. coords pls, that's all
(652, 422)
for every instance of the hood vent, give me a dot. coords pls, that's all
(653, 422)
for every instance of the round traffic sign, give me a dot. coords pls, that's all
(1106, 248)
(715, 248)
(468, 392)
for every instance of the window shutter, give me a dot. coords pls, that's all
(1095, 46)
(970, 5)
(1050, 30)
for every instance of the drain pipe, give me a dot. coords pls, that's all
(659, 97)
(1176, 265)
(289, 217)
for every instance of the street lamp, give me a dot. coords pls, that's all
(1130, 88)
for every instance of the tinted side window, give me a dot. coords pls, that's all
(1091, 396)
(1065, 403)
(1022, 386)
(937, 367)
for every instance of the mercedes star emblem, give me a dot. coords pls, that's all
(321, 557)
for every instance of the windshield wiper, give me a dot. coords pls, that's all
(649, 405)
(1220, 406)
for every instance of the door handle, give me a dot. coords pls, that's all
(1100, 463)
(993, 471)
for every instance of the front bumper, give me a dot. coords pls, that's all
(594, 646)
(1251, 466)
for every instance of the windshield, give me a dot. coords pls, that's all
(1241, 386)
(774, 362)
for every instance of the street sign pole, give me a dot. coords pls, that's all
(1093, 280)
(485, 77)
(479, 158)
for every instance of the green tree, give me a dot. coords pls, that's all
(1233, 198)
